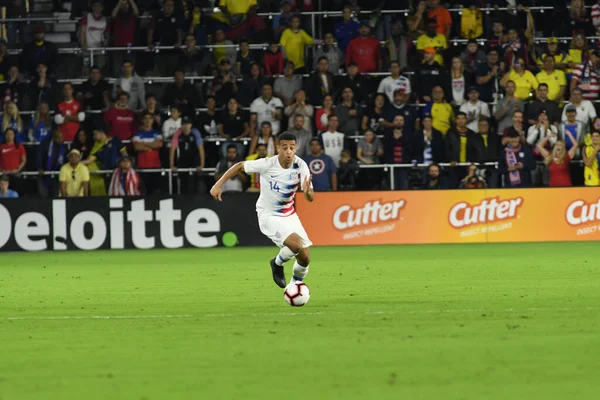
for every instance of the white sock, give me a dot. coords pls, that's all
(285, 254)
(299, 272)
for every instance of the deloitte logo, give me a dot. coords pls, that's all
(114, 228)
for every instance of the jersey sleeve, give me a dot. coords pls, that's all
(256, 166)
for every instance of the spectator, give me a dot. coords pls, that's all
(236, 183)
(349, 114)
(347, 29)
(120, 120)
(554, 78)
(596, 16)
(322, 167)
(542, 104)
(303, 135)
(515, 50)
(123, 23)
(370, 148)
(93, 93)
(400, 106)
(293, 40)
(74, 177)
(261, 152)
(578, 53)
(441, 16)
(535, 134)
(234, 122)
(131, 83)
(42, 88)
(332, 140)
(209, 120)
(496, 39)
(428, 144)
(300, 107)
(244, 59)
(524, 80)
(517, 127)
(472, 58)
(181, 94)
(396, 150)
(347, 173)
(284, 20)
(240, 17)
(104, 155)
(559, 160)
(147, 142)
(266, 108)
(394, 82)
(560, 57)
(171, 125)
(5, 192)
(187, 151)
(273, 60)
(359, 83)
(93, 33)
(83, 142)
(13, 89)
(69, 114)
(152, 108)
(287, 85)
(400, 48)
(433, 43)
(516, 162)
(575, 128)
(251, 86)
(264, 138)
(486, 143)
(590, 152)
(224, 84)
(323, 113)
(578, 20)
(431, 74)
(506, 106)
(433, 179)
(166, 29)
(474, 109)
(38, 51)
(321, 83)
(51, 155)
(40, 127)
(11, 119)
(374, 117)
(460, 82)
(585, 109)
(487, 77)
(473, 180)
(125, 180)
(191, 58)
(586, 78)
(12, 156)
(335, 57)
(365, 51)
(439, 110)
(460, 146)
(225, 49)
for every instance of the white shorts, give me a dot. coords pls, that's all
(280, 228)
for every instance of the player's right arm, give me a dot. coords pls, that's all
(250, 167)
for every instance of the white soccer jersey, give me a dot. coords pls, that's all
(278, 185)
(389, 85)
(475, 111)
(333, 145)
(169, 128)
(264, 112)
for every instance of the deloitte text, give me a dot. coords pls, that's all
(123, 224)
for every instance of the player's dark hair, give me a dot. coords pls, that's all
(287, 136)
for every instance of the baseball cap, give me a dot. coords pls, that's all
(74, 151)
(430, 50)
(186, 120)
(552, 40)
(39, 29)
(570, 108)
(473, 89)
(4, 178)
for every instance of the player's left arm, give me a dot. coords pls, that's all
(309, 193)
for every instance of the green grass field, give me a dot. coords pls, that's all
(397, 322)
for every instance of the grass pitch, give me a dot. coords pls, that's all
(398, 322)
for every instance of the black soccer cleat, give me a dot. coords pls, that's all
(278, 275)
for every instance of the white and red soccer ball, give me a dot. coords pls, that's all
(296, 294)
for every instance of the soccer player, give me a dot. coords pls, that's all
(280, 178)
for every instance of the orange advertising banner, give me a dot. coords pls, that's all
(454, 216)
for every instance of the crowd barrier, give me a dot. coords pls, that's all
(128, 223)
(453, 216)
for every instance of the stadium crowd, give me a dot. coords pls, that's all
(462, 100)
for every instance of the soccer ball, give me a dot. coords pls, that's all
(296, 294)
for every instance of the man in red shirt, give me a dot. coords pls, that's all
(364, 51)
(12, 157)
(69, 114)
(123, 25)
(120, 119)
